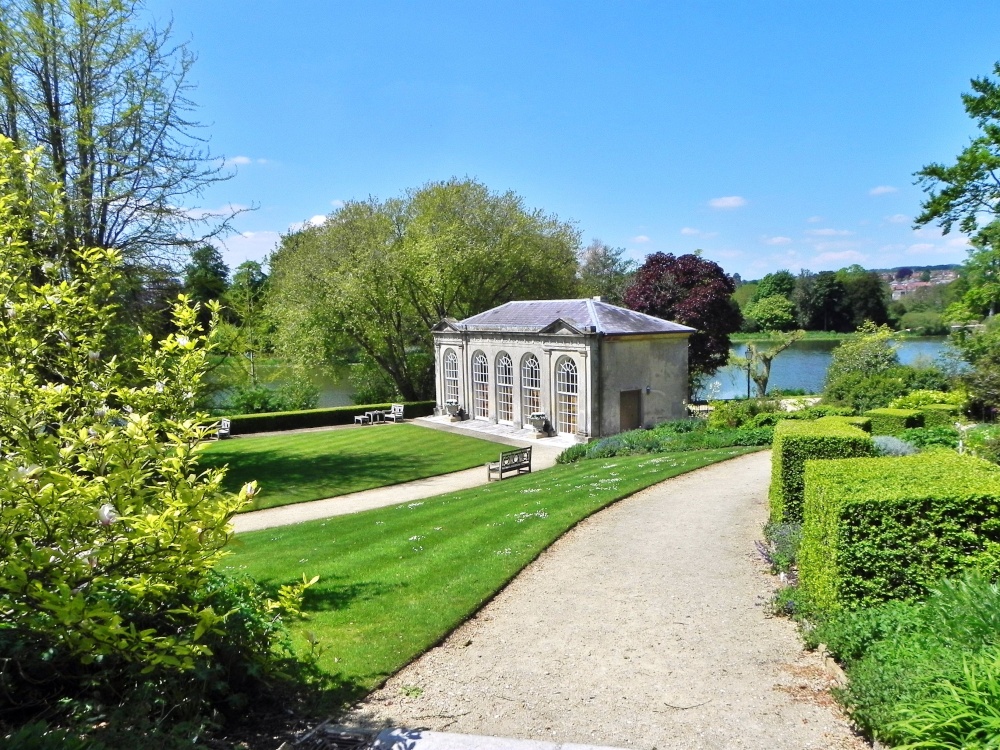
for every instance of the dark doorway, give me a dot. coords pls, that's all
(631, 410)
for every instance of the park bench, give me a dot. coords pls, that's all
(517, 461)
(224, 429)
(395, 413)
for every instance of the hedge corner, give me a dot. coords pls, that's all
(795, 442)
(888, 528)
(940, 415)
(894, 421)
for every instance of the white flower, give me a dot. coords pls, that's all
(101, 412)
(107, 514)
(183, 341)
(93, 356)
(25, 472)
(250, 489)
(159, 386)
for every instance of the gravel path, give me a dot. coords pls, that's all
(643, 627)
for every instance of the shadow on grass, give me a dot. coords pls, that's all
(328, 595)
(301, 477)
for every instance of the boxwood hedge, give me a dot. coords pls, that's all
(795, 442)
(940, 415)
(244, 424)
(888, 528)
(894, 421)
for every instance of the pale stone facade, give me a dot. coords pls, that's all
(592, 368)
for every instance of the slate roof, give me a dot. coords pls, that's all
(588, 315)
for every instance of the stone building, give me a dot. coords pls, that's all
(592, 368)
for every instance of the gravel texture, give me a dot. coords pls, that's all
(645, 626)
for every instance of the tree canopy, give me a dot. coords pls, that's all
(695, 292)
(605, 272)
(106, 102)
(377, 275)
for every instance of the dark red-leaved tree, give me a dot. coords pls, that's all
(695, 292)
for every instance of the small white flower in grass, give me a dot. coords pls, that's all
(418, 549)
(414, 505)
(107, 514)
(504, 551)
(416, 538)
(380, 523)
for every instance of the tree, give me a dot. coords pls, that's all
(774, 313)
(110, 532)
(604, 272)
(758, 360)
(106, 102)
(694, 292)
(870, 352)
(777, 284)
(378, 275)
(206, 278)
(821, 301)
(903, 273)
(982, 270)
(968, 191)
(866, 296)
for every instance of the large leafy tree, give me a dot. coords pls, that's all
(821, 299)
(605, 272)
(106, 102)
(778, 284)
(374, 279)
(866, 296)
(206, 278)
(695, 292)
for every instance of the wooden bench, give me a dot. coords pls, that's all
(224, 430)
(517, 461)
(395, 413)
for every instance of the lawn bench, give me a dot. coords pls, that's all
(224, 430)
(517, 461)
(395, 413)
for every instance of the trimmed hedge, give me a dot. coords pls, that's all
(795, 442)
(940, 415)
(889, 528)
(862, 423)
(894, 421)
(245, 424)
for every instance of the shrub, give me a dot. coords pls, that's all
(925, 437)
(245, 424)
(679, 426)
(782, 545)
(924, 323)
(889, 445)
(737, 412)
(923, 397)
(940, 415)
(795, 442)
(572, 454)
(894, 421)
(984, 442)
(877, 529)
(875, 391)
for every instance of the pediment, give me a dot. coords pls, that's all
(564, 327)
(446, 324)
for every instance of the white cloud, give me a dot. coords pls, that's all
(883, 190)
(897, 219)
(640, 239)
(728, 201)
(690, 231)
(337, 203)
(962, 242)
(249, 246)
(242, 161)
(921, 248)
(776, 240)
(315, 221)
(263, 161)
(829, 232)
(814, 219)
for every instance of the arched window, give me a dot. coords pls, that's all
(451, 376)
(480, 386)
(531, 386)
(567, 395)
(505, 388)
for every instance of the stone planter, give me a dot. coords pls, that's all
(541, 424)
(453, 410)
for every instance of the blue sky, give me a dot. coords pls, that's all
(768, 134)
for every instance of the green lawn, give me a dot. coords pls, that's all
(313, 465)
(395, 581)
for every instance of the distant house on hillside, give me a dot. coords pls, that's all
(592, 368)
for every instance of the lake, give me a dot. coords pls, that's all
(804, 365)
(801, 366)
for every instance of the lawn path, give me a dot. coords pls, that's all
(379, 497)
(644, 626)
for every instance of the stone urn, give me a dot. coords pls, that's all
(540, 422)
(453, 410)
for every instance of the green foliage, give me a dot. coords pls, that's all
(670, 437)
(247, 424)
(109, 529)
(778, 284)
(863, 392)
(737, 412)
(605, 272)
(921, 397)
(984, 442)
(782, 548)
(924, 323)
(925, 437)
(894, 421)
(890, 445)
(775, 313)
(877, 529)
(796, 442)
(940, 415)
(295, 394)
(870, 352)
(378, 275)
(922, 672)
